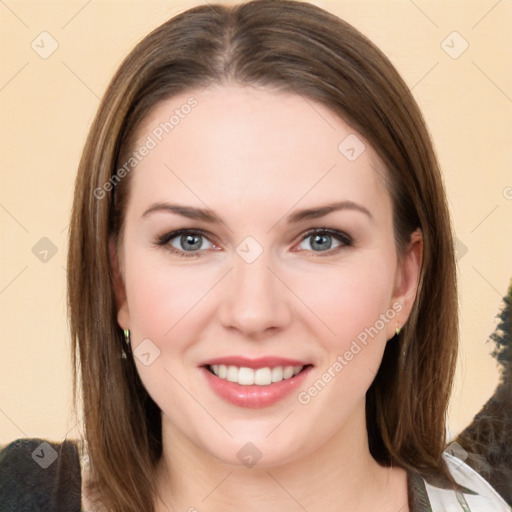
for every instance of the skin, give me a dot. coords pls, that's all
(254, 156)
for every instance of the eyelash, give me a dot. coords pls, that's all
(164, 240)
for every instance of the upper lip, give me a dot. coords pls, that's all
(260, 362)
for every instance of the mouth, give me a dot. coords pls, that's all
(254, 383)
(246, 376)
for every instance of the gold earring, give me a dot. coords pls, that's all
(397, 330)
(127, 341)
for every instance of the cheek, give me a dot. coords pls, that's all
(164, 304)
(165, 300)
(348, 301)
(354, 308)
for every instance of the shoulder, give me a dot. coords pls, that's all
(476, 494)
(37, 474)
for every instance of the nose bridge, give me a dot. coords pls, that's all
(255, 300)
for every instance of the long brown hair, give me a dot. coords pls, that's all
(299, 48)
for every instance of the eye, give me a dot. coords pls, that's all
(184, 242)
(321, 239)
(189, 243)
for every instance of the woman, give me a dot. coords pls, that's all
(300, 353)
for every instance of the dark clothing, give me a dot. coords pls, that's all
(37, 475)
(40, 476)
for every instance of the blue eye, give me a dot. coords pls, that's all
(322, 239)
(188, 243)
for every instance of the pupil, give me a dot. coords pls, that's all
(190, 238)
(320, 238)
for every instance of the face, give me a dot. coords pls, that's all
(258, 315)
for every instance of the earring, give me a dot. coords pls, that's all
(397, 330)
(127, 341)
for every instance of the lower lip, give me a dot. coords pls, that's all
(254, 396)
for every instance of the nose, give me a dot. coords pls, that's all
(255, 299)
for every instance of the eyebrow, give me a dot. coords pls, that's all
(209, 216)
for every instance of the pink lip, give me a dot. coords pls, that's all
(261, 362)
(255, 397)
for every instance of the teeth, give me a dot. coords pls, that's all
(288, 372)
(232, 374)
(246, 376)
(277, 374)
(261, 376)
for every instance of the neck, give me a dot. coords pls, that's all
(341, 475)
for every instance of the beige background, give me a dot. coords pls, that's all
(48, 104)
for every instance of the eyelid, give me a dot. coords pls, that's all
(345, 239)
(329, 231)
(163, 240)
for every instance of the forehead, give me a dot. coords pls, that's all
(249, 145)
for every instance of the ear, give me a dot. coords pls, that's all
(406, 282)
(123, 313)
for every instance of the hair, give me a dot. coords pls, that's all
(298, 48)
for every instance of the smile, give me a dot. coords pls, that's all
(249, 376)
(254, 383)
